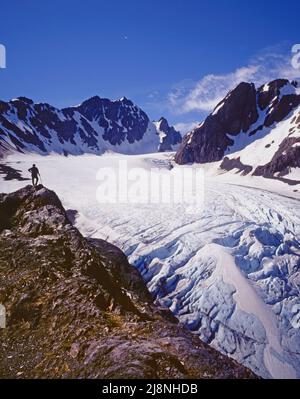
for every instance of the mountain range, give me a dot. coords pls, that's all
(95, 126)
(251, 131)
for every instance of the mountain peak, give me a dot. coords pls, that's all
(92, 101)
(126, 101)
(22, 99)
(163, 123)
(169, 136)
(162, 119)
(238, 118)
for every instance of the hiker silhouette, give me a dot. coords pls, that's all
(34, 175)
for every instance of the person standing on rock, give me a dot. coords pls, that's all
(34, 174)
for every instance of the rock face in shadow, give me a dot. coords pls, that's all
(209, 141)
(286, 157)
(231, 164)
(76, 308)
(11, 173)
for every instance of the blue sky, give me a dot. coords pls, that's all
(172, 57)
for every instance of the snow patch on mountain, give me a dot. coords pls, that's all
(260, 148)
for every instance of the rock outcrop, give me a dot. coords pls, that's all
(76, 308)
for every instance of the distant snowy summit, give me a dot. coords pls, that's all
(95, 126)
(251, 130)
(169, 138)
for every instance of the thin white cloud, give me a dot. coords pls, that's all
(185, 127)
(154, 94)
(211, 89)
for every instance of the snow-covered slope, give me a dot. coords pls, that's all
(95, 126)
(230, 272)
(252, 130)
